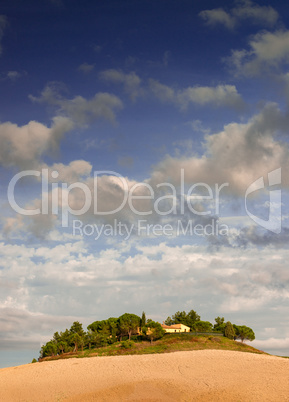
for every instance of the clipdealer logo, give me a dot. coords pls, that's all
(274, 222)
(55, 197)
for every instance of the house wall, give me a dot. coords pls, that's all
(183, 328)
(172, 330)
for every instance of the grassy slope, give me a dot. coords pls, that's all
(169, 343)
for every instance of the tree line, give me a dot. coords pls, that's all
(105, 332)
(193, 320)
(102, 333)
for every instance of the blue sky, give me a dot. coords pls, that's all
(181, 100)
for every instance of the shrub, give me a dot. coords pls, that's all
(127, 344)
(34, 360)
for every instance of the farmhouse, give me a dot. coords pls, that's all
(176, 328)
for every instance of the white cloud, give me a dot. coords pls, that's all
(102, 106)
(13, 75)
(221, 95)
(275, 344)
(75, 171)
(98, 284)
(86, 68)
(245, 11)
(218, 16)
(249, 10)
(238, 155)
(161, 91)
(130, 81)
(23, 146)
(267, 51)
(25, 329)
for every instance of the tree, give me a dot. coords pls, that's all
(113, 328)
(50, 349)
(66, 337)
(76, 328)
(220, 323)
(181, 317)
(192, 318)
(244, 333)
(128, 324)
(143, 320)
(76, 339)
(229, 331)
(105, 329)
(169, 321)
(202, 326)
(56, 337)
(61, 346)
(153, 330)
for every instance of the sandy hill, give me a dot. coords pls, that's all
(202, 375)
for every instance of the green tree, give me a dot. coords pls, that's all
(76, 339)
(89, 338)
(229, 331)
(169, 321)
(202, 326)
(143, 320)
(56, 337)
(220, 324)
(76, 328)
(192, 318)
(244, 333)
(108, 329)
(128, 324)
(50, 349)
(66, 337)
(61, 346)
(153, 330)
(181, 317)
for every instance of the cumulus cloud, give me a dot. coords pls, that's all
(221, 95)
(253, 235)
(3, 25)
(23, 146)
(25, 329)
(267, 52)
(246, 10)
(218, 16)
(13, 75)
(130, 81)
(82, 111)
(86, 68)
(273, 344)
(76, 170)
(238, 155)
(161, 91)
(98, 284)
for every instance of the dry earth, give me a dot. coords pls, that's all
(203, 375)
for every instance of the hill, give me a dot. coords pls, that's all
(169, 343)
(199, 375)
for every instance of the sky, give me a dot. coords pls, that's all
(143, 165)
